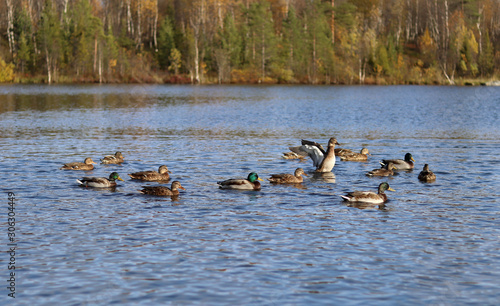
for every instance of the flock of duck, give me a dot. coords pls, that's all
(162, 175)
(323, 161)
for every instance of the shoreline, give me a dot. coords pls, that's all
(185, 80)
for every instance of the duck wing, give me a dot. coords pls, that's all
(313, 143)
(145, 175)
(341, 152)
(380, 172)
(400, 164)
(364, 196)
(157, 190)
(354, 157)
(95, 182)
(284, 178)
(74, 166)
(314, 153)
(111, 159)
(241, 184)
(298, 151)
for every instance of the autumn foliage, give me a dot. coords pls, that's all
(250, 41)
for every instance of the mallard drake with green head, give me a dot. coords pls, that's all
(387, 171)
(162, 190)
(361, 156)
(251, 183)
(400, 164)
(287, 178)
(100, 182)
(427, 175)
(161, 175)
(369, 196)
(113, 159)
(88, 164)
(324, 161)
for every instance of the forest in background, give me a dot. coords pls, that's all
(250, 41)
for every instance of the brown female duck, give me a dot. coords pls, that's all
(427, 175)
(162, 190)
(88, 164)
(361, 156)
(324, 161)
(287, 178)
(113, 159)
(386, 171)
(161, 175)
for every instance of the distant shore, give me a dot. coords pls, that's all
(185, 79)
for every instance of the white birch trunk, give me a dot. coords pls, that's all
(263, 55)
(130, 27)
(100, 66)
(47, 58)
(155, 27)
(139, 25)
(10, 26)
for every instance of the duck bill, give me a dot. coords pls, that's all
(180, 187)
(260, 179)
(412, 159)
(120, 179)
(390, 189)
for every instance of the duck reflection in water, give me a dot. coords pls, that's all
(327, 177)
(361, 205)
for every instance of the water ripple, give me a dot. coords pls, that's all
(433, 243)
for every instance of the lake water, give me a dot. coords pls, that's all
(434, 243)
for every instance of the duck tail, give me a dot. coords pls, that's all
(345, 198)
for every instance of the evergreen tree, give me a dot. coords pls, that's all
(383, 60)
(231, 41)
(487, 57)
(319, 40)
(23, 33)
(50, 40)
(227, 50)
(346, 47)
(109, 53)
(23, 52)
(262, 37)
(86, 33)
(294, 49)
(166, 42)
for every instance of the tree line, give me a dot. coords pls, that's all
(250, 41)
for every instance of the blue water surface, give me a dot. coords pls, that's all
(434, 243)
